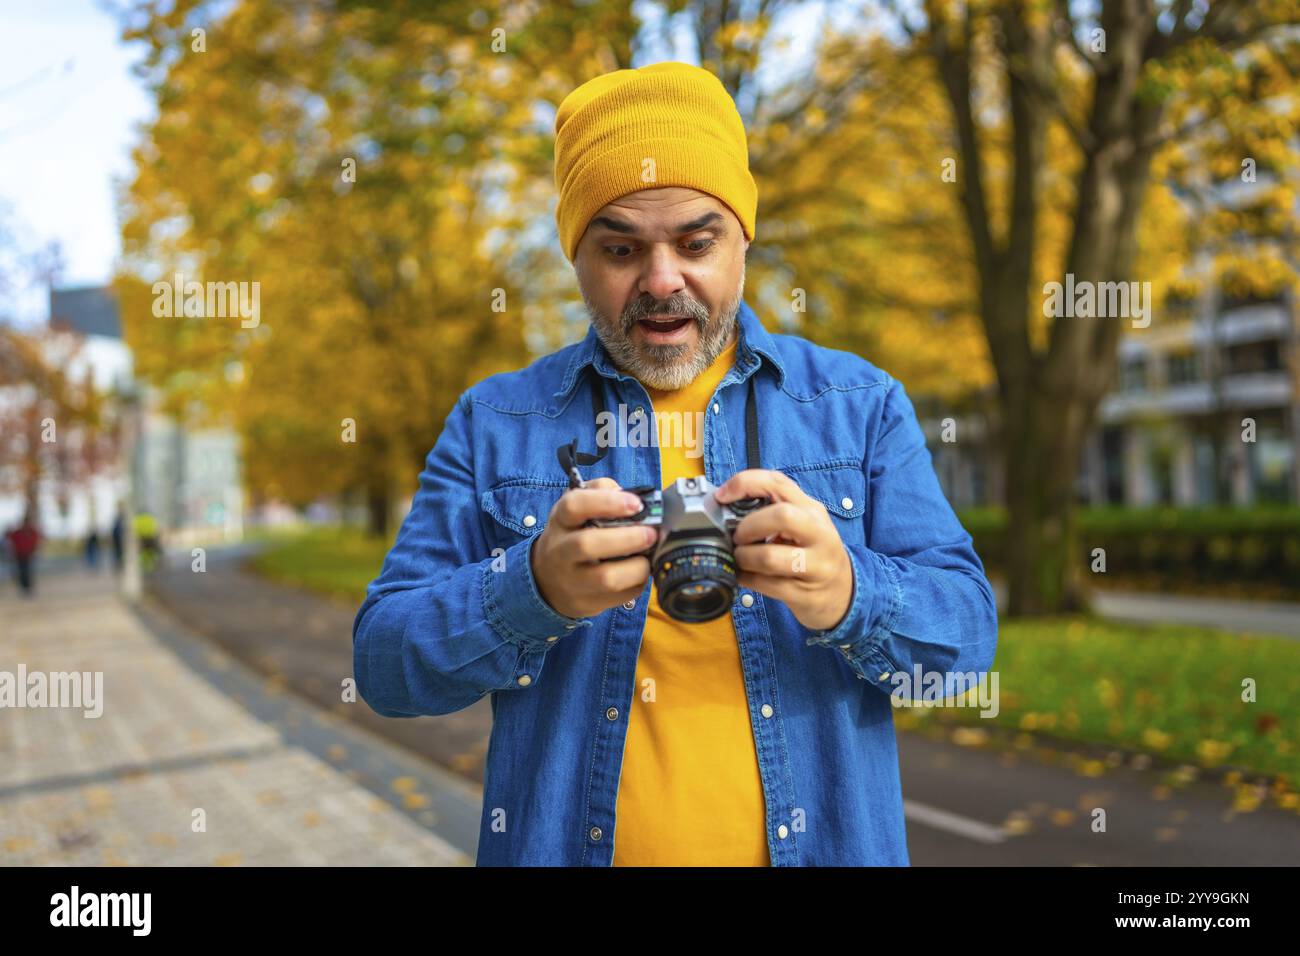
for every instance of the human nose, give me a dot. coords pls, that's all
(661, 277)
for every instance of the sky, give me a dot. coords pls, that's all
(68, 108)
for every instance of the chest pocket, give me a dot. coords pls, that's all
(842, 488)
(518, 509)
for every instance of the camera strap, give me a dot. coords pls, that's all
(570, 457)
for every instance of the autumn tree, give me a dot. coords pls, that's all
(1036, 90)
(372, 167)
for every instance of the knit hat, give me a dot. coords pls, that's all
(667, 124)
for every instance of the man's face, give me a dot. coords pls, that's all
(662, 273)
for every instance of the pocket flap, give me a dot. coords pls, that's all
(840, 486)
(524, 505)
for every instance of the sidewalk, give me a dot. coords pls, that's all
(1278, 618)
(124, 788)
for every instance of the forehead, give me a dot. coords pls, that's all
(665, 209)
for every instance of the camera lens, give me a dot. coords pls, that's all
(696, 582)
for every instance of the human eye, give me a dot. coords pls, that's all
(614, 251)
(700, 246)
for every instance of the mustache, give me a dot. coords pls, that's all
(650, 308)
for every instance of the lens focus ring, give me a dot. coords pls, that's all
(696, 582)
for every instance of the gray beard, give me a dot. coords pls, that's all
(662, 367)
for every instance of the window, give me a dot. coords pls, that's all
(1133, 375)
(1184, 368)
(1255, 357)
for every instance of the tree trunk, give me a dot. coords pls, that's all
(1041, 452)
(378, 509)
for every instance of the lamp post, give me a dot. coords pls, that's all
(131, 421)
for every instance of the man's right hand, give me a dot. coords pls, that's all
(566, 558)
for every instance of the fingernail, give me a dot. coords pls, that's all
(632, 503)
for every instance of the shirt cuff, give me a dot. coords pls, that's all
(513, 606)
(876, 602)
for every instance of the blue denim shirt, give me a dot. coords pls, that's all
(455, 612)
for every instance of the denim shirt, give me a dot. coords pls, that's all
(455, 612)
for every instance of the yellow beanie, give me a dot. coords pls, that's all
(678, 116)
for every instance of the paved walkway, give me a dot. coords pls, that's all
(185, 729)
(1228, 614)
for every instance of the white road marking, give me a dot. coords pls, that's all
(929, 816)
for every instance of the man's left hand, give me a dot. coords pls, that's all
(791, 550)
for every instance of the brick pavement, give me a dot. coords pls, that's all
(123, 788)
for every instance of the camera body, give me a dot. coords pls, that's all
(693, 560)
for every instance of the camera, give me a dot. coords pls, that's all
(692, 561)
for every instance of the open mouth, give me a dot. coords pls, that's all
(666, 324)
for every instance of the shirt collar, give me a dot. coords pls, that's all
(755, 343)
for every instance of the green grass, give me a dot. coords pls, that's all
(339, 562)
(1168, 690)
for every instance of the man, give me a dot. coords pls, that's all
(622, 735)
(24, 540)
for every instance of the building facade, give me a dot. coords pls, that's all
(1205, 410)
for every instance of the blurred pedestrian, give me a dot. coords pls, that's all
(23, 542)
(92, 549)
(146, 530)
(119, 538)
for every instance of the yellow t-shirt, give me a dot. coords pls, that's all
(689, 792)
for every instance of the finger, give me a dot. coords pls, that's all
(610, 576)
(760, 483)
(631, 594)
(784, 518)
(593, 544)
(599, 483)
(578, 505)
(781, 589)
(776, 560)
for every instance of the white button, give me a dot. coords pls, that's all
(747, 600)
(525, 681)
(766, 710)
(569, 627)
(716, 409)
(529, 521)
(551, 640)
(846, 504)
(884, 676)
(846, 645)
(782, 832)
(628, 605)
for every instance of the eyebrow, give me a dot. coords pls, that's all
(618, 225)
